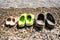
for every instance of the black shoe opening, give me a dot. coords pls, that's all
(28, 17)
(9, 19)
(13, 20)
(50, 17)
(40, 17)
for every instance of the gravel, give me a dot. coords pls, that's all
(29, 33)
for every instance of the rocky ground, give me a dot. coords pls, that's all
(29, 33)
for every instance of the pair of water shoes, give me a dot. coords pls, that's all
(45, 19)
(11, 21)
(29, 19)
(26, 19)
